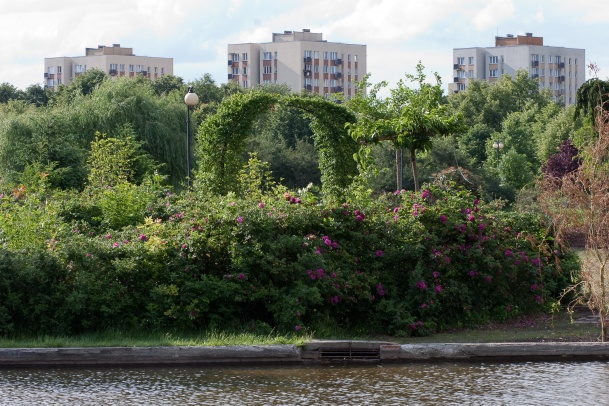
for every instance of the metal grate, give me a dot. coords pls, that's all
(349, 354)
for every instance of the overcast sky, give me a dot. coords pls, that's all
(195, 33)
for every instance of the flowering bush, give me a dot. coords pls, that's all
(401, 264)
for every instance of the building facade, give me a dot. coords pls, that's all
(114, 60)
(560, 69)
(300, 59)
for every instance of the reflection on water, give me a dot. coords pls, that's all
(387, 384)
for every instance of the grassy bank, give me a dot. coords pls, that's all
(560, 327)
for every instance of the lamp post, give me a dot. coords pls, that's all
(191, 99)
(498, 145)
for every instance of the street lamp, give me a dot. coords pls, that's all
(191, 99)
(498, 145)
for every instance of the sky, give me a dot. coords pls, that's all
(195, 33)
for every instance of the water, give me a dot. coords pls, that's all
(559, 383)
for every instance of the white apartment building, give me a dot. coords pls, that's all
(114, 60)
(301, 60)
(560, 69)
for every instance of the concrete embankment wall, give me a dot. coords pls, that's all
(314, 352)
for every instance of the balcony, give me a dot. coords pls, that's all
(456, 66)
(308, 87)
(534, 76)
(307, 73)
(112, 72)
(455, 80)
(561, 65)
(46, 75)
(534, 64)
(230, 76)
(561, 79)
(230, 63)
(339, 61)
(307, 59)
(338, 75)
(338, 89)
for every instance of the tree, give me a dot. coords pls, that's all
(167, 83)
(409, 118)
(9, 92)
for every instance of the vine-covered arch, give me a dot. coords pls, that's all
(221, 139)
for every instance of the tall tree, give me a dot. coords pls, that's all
(9, 92)
(409, 118)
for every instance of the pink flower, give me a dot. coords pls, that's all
(476, 202)
(297, 328)
(481, 227)
(421, 285)
(317, 250)
(472, 273)
(415, 213)
(142, 237)
(436, 274)
(534, 287)
(442, 218)
(488, 279)
(115, 245)
(396, 209)
(333, 275)
(108, 236)
(425, 194)
(359, 218)
(423, 305)
(538, 299)
(379, 253)
(232, 204)
(241, 276)
(88, 254)
(379, 289)
(261, 205)
(508, 253)
(438, 288)
(508, 309)
(239, 219)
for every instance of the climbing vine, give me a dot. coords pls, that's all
(221, 140)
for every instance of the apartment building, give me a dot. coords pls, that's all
(113, 60)
(301, 60)
(560, 69)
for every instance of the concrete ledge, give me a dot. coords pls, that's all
(495, 351)
(109, 356)
(316, 351)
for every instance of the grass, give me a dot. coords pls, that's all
(119, 339)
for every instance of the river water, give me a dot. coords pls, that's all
(539, 383)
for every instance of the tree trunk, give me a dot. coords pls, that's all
(415, 173)
(399, 168)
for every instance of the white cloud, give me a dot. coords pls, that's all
(494, 12)
(539, 17)
(234, 6)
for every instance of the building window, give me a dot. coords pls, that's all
(121, 67)
(493, 59)
(59, 70)
(307, 82)
(550, 59)
(245, 70)
(244, 56)
(51, 82)
(471, 73)
(543, 72)
(58, 82)
(131, 68)
(235, 71)
(316, 55)
(325, 68)
(543, 59)
(461, 73)
(558, 59)
(316, 68)
(245, 83)
(461, 86)
(556, 73)
(325, 82)
(78, 68)
(348, 57)
(267, 56)
(535, 71)
(307, 54)
(461, 60)
(235, 57)
(156, 70)
(275, 55)
(51, 70)
(162, 71)
(354, 58)
(569, 61)
(332, 69)
(332, 83)
(114, 66)
(471, 60)
(268, 69)
(325, 54)
(575, 75)
(333, 55)
(494, 73)
(316, 82)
